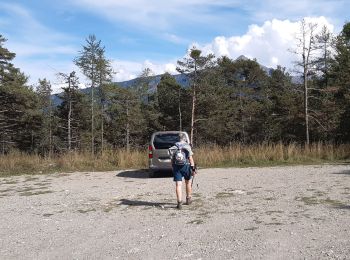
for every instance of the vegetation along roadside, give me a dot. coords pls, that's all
(235, 155)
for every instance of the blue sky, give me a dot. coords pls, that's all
(47, 35)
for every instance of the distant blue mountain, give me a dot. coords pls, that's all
(264, 68)
(56, 100)
(181, 79)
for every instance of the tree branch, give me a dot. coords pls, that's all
(317, 121)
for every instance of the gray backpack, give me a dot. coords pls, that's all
(179, 156)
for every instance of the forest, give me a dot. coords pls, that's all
(227, 101)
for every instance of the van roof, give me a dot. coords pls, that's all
(168, 132)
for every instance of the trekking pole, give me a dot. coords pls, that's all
(195, 170)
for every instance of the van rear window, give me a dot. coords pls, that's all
(165, 141)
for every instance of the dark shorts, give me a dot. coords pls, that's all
(183, 171)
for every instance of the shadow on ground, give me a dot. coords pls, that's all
(146, 203)
(343, 207)
(346, 172)
(140, 174)
(144, 174)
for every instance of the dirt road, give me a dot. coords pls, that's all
(300, 212)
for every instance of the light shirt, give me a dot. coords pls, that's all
(183, 145)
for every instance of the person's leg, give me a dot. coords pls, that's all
(179, 192)
(188, 192)
(178, 185)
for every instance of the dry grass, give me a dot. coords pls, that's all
(209, 156)
(17, 163)
(270, 154)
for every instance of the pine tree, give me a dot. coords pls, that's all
(216, 111)
(283, 121)
(324, 43)
(172, 103)
(340, 80)
(44, 91)
(19, 113)
(146, 92)
(194, 66)
(72, 114)
(98, 70)
(125, 123)
(306, 49)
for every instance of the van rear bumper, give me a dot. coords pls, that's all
(160, 166)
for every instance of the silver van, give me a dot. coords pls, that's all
(158, 150)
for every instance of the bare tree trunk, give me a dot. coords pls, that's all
(102, 130)
(306, 112)
(69, 115)
(180, 114)
(242, 116)
(305, 54)
(50, 141)
(32, 145)
(325, 57)
(50, 128)
(127, 128)
(102, 112)
(193, 103)
(192, 113)
(69, 127)
(307, 48)
(92, 120)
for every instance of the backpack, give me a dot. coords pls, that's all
(179, 156)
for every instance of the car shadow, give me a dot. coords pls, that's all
(139, 174)
(346, 172)
(146, 203)
(343, 207)
(144, 174)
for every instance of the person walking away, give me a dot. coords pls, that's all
(183, 167)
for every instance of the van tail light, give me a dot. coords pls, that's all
(150, 152)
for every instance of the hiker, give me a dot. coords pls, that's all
(183, 167)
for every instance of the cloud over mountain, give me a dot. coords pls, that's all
(269, 43)
(155, 34)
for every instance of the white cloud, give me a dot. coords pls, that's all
(268, 43)
(159, 68)
(126, 70)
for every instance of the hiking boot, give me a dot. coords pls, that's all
(179, 205)
(188, 200)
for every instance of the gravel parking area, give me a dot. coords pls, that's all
(294, 212)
